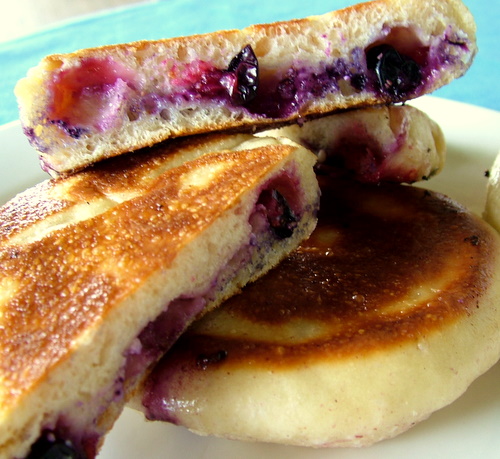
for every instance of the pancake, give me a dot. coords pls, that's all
(389, 143)
(102, 270)
(384, 315)
(81, 107)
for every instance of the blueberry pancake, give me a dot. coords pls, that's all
(100, 271)
(395, 143)
(81, 107)
(385, 314)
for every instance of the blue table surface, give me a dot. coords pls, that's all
(169, 18)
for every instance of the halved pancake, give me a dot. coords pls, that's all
(81, 107)
(385, 314)
(101, 271)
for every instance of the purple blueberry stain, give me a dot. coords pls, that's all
(73, 131)
(29, 132)
(152, 103)
(358, 81)
(379, 68)
(45, 165)
(34, 140)
(280, 215)
(456, 39)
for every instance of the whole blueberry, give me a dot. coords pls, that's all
(397, 75)
(244, 67)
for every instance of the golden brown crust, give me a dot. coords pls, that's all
(136, 251)
(166, 68)
(384, 315)
(98, 255)
(454, 8)
(110, 181)
(362, 311)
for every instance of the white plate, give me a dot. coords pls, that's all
(468, 428)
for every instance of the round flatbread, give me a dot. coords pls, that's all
(386, 314)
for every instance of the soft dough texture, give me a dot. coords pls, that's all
(82, 107)
(102, 270)
(385, 314)
(396, 143)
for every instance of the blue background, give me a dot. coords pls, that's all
(169, 18)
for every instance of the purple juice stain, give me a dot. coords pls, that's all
(280, 216)
(74, 132)
(380, 69)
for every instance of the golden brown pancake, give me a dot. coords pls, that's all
(102, 270)
(387, 313)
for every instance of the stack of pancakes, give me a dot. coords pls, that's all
(384, 314)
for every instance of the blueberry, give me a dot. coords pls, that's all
(397, 75)
(48, 446)
(286, 88)
(73, 132)
(280, 216)
(358, 81)
(245, 69)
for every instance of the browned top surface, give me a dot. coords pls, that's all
(107, 181)
(55, 288)
(385, 265)
(292, 26)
